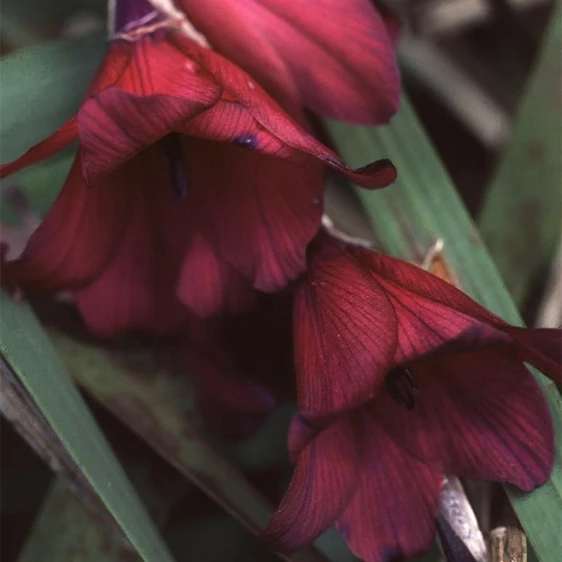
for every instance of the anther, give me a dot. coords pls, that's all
(403, 387)
(174, 160)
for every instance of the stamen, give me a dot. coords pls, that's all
(131, 20)
(403, 387)
(174, 159)
(185, 26)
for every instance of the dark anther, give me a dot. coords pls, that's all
(247, 141)
(174, 160)
(403, 387)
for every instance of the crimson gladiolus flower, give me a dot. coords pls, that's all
(191, 185)
(242, 364)
(332, 56)
(402, 378)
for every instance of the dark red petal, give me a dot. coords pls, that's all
(391, 20)
(208, 285)
(229, 403)
(392, 514)
(307, 55)
(477, 415)
(259, 212)
(542, 348)
(57, 141)
(403, 275)
(345, 335)
(114, 65)
(158, 67)
(248, 116)
(323, 481)
(432, 314)
(77, 237)
(136, 290)
(301, 433)
(147, 103)
(115, 126)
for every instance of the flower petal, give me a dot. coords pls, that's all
(542, 348)
(259, 212)
(477, 415)
(46, 148)
(306, 55)
(136, 290)
(403, 275)
(160, 90)
(246, 115)
(344, 334)
(208, 285)
(229, 403)
(392, 514)
(301, 433)
(433, 316)
(77, 237)
(323, 481)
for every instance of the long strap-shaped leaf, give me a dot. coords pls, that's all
(29, 353)
(409, 217)
(520, 218)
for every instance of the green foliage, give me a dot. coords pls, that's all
(520, 218)
(58, 72)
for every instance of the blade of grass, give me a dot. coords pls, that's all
(63, 69)
(408, 218)
(520, 217)
(30, 355)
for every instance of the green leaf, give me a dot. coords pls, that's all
(408, 217)
(520, 218)
(42, 86)
(29, 353)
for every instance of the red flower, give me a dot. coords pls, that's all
(333, 56)
(189, 179)
(242, 365)
(359, 314)
(402, 378)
